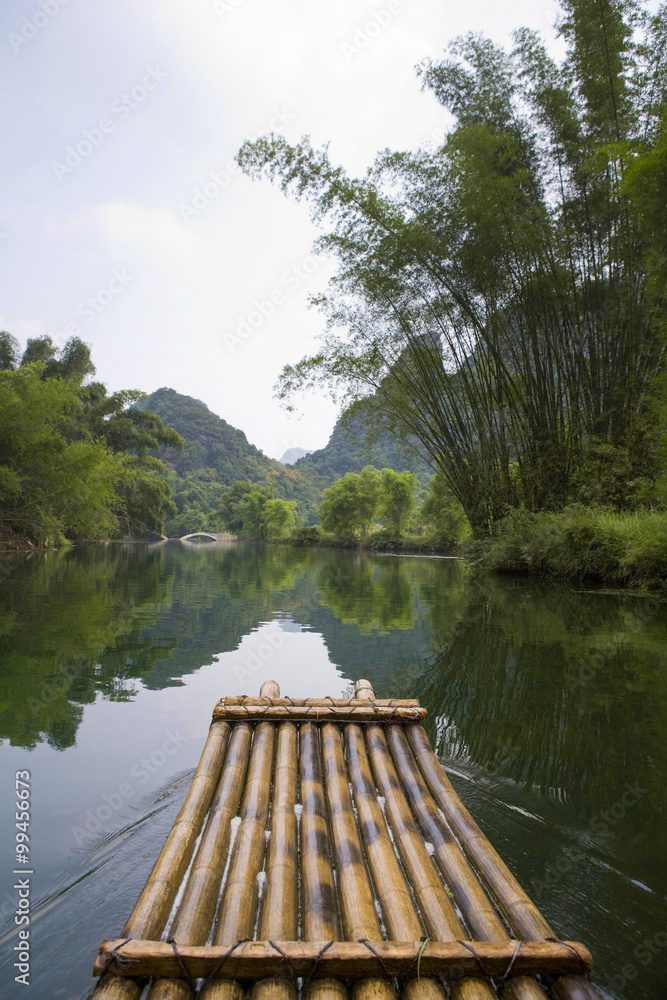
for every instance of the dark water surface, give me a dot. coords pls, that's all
(547, 704)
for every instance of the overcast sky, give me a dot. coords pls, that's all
(117, 119)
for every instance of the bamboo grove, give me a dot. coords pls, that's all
(499, 299)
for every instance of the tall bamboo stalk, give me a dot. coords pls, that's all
(319, 906)
(157, 898)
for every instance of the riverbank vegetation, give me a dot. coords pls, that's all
(373, 509)
(617, 548)
(500, 299)
(74, 460)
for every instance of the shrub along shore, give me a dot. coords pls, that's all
(619, 548)
(600, 545)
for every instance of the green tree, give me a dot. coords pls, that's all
(278, 519)
(9, 351)
(442, 512)
(251, 511)
(397, 499)
(492, 294)
(74, 460)
(349, 506)
(48, 486)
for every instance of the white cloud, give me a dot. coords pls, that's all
(156, 232)
(233, 68)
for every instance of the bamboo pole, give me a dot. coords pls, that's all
(321, 713)
(452, 959)
(317, 702)
(470, 896)
(574, 988)
(359, 917)
(319, 909)
(157, 898)
(441, 921)
(398, 910)
(521, 912)
(238, 909)
(195, 914)
(279, 908)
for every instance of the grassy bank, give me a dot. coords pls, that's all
(377, 541)
(578, 543)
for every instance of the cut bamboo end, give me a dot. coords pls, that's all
(115, 988)
(269, 689)
(170, 989)
(222, 991)
(363, 690)
(273, 989)
(332, 989)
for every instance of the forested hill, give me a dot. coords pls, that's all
(350, 448)
(215, 455)
(210, 442)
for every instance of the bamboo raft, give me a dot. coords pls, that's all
(322, 852)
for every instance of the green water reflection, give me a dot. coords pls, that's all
(549, 704)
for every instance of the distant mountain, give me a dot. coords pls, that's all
(352, 446)
(293, 455)
(210, 442)
(216, 455)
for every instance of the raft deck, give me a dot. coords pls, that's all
(322, 851)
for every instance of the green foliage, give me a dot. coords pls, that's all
(251, 511)
(349, 506)
(143, 497)
(443, 514)
(278, 519)
(48, 486)
(307, 536)
(358, 439)
(578, 543)
(218, 451)
(73, 460)
(397, 499)
(196, 497)
(9, 351)
(502, 297)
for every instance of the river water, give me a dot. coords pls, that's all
(547, 704)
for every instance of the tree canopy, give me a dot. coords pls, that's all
(502, 296)
(74, 460)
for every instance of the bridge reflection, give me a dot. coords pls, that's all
(210, 535)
